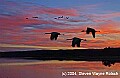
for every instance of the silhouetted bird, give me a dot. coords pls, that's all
(67, 17)
(76, 41)
(26, 18)
(55, 18)
(108, 63)
(34, 17)
(60, 17)
(93, 31)
(54, 35)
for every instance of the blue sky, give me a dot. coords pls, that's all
(106, 4)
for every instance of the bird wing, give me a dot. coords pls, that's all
(34, 17)
(88, 30)
(93, 34)
(47, 33)
(68, 39)
(52, 37)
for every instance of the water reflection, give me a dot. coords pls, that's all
(13, 68)
(108, 63)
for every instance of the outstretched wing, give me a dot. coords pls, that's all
(47, 33)
(93, 34)
(68, 39)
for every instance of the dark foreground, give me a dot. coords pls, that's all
(108, 55)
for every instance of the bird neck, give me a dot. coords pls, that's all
(97, 31)
(83, 31)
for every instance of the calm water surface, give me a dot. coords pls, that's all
(20, 68)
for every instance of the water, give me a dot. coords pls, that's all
(20, 68)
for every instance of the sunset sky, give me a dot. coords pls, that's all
(15, 29)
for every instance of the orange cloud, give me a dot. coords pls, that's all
(109, 27)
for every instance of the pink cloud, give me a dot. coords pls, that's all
(15, 21)
(112, 15)
(108, 15)
(55, 11)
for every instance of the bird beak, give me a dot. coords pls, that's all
(62, 34)
(85, 40)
